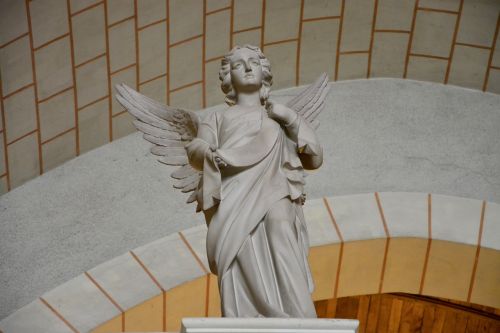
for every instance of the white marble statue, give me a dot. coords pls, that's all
(245, 168)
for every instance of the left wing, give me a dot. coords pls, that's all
(169, 129)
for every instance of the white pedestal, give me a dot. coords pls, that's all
(268, 325)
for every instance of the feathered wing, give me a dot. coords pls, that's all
(311, 101)
(169, 129)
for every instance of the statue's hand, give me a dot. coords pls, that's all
(280, 113)
(218, 160)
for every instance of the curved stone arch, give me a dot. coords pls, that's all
(368, 243)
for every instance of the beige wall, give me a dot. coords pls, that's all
(59, 59)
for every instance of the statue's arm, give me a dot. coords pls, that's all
(308, 145)
(204, 143)
(300, 131)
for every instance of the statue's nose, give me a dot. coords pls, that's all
(248, 68)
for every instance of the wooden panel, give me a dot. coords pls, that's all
(404, 313)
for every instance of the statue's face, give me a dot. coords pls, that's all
(246, 71)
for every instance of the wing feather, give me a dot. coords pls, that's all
(163, 141)
(311, 101)
(186, 182)
(169, 129)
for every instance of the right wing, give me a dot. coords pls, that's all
(311, 101)
(169, 129)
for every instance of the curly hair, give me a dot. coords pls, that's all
(225, 75)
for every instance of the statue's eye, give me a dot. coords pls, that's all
(237, 65)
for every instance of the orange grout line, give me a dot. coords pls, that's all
(152, 79)
(58, 135)
(54, 311)
(384, 264)
(119, 113)
(245, 30)
(392, 31)
(35, 89)
(108, 296)
(214, 59)
(14, 40)
(410, 39)
(339, 267)
(123, 321)
(231, 26)
(323, 18)
(87, 8)
(495, 67)
(263, 25)
(492, 52)
(186, 86)
(151, 24)
(387, 242)
(429, 242)
(90, 60)
(299, 42)
(136, 30)
(164, 314)
(73, 71)
(339, 39)
(120, 21)
(22, 137)
(108, 76)
(4, 133)
(354, 52)
(473, 45)
(167, 88)
(478, 251)
(148, 272)
(428, 56)
(122, 69)
(3, 175)
(204, 55)
(51, 41)
(217, 10)
(198, 260)
(92, 103)
(374, 21)
(426, 9)
(332, 217)
(185, 40)
(207, 295)
(55, 94)
(382, 216)
(282, 41)
(18, 90)
(454, 41)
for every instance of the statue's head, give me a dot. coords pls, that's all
(245, 69)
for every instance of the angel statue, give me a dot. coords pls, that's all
(245, 168)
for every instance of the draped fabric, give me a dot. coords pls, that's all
(260, 260)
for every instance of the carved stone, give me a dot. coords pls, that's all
(245, 168)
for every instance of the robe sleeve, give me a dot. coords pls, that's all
(200, 153)
(204, 143)
(308, 146)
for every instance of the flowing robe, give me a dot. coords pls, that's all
(261, 261)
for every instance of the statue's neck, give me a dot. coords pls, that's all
(248, 99)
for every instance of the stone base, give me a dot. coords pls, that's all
(268, 325)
